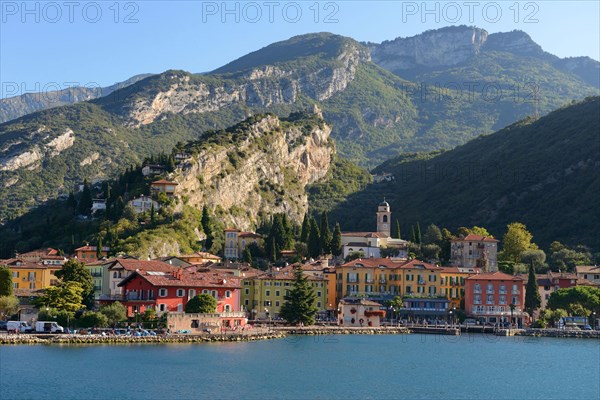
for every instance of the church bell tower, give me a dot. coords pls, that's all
(384, 218)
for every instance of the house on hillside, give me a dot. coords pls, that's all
(236, 241)
(88, 253)
(475, 251)
(152, 169)
(163, 186)
(143, 204)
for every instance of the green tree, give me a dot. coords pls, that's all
(431, 252)
(152, 215)
(433, 235)
(6, 283)
(516, 241)
(336, 241)
(397, 234)
(446, 245)
(305, 229)
(325, 234)
(99, 249)
(71, 203)
(66, 296)
(563, 258)
(300, 304)
(149, 314)
(75, 271)
(314, 240)
(92, 319)
(85, 201)
(575, 299)
(533, 300)
(536, 258)
(354, 255)
(247, 255)
(418, 237)
(413, 236)
(202, 303)
(9, 305)
(114, 312)
(206, 223)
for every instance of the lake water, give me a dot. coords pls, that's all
(327, 367)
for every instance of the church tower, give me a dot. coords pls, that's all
(384, 220)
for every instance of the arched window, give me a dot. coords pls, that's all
(385, 219)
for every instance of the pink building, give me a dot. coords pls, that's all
(490, 295)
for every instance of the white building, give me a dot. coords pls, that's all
(143, 204)
(98, 205)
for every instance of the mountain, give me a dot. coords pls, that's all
(544, 173)
(17, 106)
(243, 175)
(374, 114)
(431, 54)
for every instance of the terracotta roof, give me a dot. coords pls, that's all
(40, 253)
(11, 262)
(28, 292)
(363, 302)
(365, 234)
(418, 264)
(185, 279)
(495, 276)
(475, 238)
(92, 248)
(375, 263)
(151, 265)
(287, 274)
(586, 269)
(460, 270)
(164, 182)
(249, 234)
(231, 230)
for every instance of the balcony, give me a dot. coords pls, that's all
(421, 282)
(489, 291)
(502, 291)
(477, 291)
(515, 291)
(382, 281)
(369, 280)
(96, 274)
(352, 280)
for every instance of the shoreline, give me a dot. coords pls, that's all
(275, 333)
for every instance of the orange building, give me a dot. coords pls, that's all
(88, 254)
(495, 297)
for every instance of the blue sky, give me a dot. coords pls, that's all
(54, 44)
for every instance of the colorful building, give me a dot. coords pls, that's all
(120, 269)
(163, 186)
(200, 257)
(29, 275)
(169, 291)
(589, 272)
(489, 296)
(377, 279)
(263, 295)
(475, 251)
(359, 312)
(88, 254)
(452, 283)
(236, 241)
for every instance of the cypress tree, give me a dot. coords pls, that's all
(314, 240)
(152, 215)
(325, 234)
(397, 233)
(305, 229)
(273, 250)
(413, 237)
(533, 299)
(85, 202)
(71, 203)
(300, 303)
(418, 233)
(99, 248)
(336, 241)
(247, 255)
(6, 283)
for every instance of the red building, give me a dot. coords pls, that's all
(489, 296)
(170, 291)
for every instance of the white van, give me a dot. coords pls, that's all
(18, 326)
(48, 327)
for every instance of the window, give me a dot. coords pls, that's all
(180, 292)
(228, 294)
(277, 293)
(162, 307)
(214, 294)
(490, 299)
(267, 292)
(227, 308)
(477, 299)
(15, 274)
(247, 291)
(162, 292)
(246, 302)
(318, 294)
(277, 304)
(477, 288)
(502, 299)
(319, 304)
(191, 293)
(205, 291)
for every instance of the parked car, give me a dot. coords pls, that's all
(587, 328)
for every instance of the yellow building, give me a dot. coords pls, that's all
(379, 279)
(421, 279)
(28, 275)
(453, 283)
(236, 241)
(321, 269)
(263, 295)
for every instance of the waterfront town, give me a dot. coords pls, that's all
(357, 288)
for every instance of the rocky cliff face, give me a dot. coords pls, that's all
(41, 143)
(438, 48)
(262, 173)
(261, 87)
(17, 106)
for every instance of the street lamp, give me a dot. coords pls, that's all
(268, 317)
(136, 318)
(512, 310)
(594, 322)
(451, 319)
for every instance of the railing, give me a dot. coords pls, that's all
(352, 280)
(489, 291)
(369, 280)
(421, 282)
(502, 291)
(96, 274)
(476, 291)
(382, 281)
(233, 314)
(515, 291)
